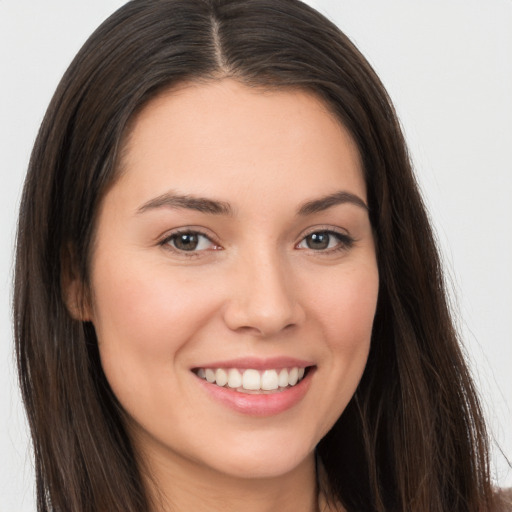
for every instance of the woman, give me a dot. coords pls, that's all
(227, 291)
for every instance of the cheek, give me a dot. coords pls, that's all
(346, 308)
(143, 316)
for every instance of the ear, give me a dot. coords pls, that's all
(73, 289)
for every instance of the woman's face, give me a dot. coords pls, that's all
(236, 246)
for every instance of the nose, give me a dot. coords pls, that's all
(263, 298)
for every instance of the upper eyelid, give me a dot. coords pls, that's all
(324, 229)
(186, 232)
(345, 238)
(332, 232)
(167, 235)
(164, 243)
(336, 230)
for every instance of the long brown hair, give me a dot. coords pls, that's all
(413, 436)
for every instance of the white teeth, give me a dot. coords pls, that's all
(234, 378)
(269, 380)
(221, 377)
(252, 380)
(283, 378)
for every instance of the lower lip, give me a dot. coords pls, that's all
(259, 405)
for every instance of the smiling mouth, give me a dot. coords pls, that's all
(253, 381)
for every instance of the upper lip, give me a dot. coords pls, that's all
(257, 363)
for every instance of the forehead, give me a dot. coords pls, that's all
(205, 137)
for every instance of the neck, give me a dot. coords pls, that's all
(181, 485)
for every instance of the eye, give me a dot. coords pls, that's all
(325, 241)
(189, 241)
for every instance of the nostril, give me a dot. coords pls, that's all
(262, 303)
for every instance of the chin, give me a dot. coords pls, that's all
(260, 458)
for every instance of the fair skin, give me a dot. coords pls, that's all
(265, 275)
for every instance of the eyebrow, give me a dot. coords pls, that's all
(200, 204)
(214, 207)
(341, 197)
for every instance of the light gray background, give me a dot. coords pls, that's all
(447, 65)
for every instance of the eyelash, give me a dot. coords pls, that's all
(169, 240)
(344, 242)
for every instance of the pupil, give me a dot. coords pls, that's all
(318, 241)
(186, 242)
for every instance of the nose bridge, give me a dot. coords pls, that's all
(263, 299)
